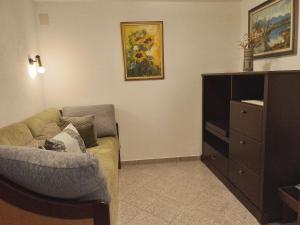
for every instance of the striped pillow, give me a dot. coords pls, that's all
(68, 140)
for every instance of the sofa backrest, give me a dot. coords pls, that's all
(38, 122)
(105, 121)
(23, 132)
(15, 134)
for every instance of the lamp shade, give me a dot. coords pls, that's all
(41, 70)
(32, 70)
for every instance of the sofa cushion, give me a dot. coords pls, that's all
(35, 143)
(54, 174)
(15, 134)
(107, 152)
(50, 130)
(104, 117)
(69, 140)
(38, 122)
(85, 126)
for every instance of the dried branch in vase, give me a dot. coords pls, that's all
(250, 41)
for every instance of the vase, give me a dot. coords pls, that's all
(248, 60)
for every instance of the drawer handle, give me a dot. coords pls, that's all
(242, 142)
(243, 112)
(241, 172)
(213, 157)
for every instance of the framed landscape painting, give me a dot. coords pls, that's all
(143, 54)
(274, 24)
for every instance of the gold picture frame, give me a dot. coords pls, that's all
(275, 24)
(143, 50)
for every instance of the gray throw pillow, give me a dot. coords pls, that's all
(54, 174)
(69, 140)
(85, 126)
(105, 121)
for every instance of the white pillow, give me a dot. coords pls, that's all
(69, 140)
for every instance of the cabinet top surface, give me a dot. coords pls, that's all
(278, 72)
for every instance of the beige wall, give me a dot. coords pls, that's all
(82, 51)
(20, 96)
(279, 63)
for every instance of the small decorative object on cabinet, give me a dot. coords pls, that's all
(248, 59)
(276, 23)
(251, 140)
(143, 50)
(248, 43)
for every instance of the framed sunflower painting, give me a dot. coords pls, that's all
(142, 44)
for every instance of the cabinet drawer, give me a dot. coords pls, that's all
(244, 150)
(217, 159)
(247, 119)
(245, 180)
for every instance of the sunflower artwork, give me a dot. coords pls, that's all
(143, 50)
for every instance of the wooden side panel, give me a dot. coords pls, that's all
(18, 204)
(282, 153)
(11, 215)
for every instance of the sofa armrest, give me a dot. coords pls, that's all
(54, 174)
(42, 209)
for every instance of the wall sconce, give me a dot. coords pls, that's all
(35, 66)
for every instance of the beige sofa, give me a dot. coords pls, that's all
(12, 211)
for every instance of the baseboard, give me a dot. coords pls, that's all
(161, 160)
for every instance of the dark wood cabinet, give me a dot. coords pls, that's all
(251, 135)
(216, 158)
(245, 150)
(246, 119)
(245, 180)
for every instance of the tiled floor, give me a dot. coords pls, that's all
(177, 193)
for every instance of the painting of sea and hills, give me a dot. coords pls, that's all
(273, 25)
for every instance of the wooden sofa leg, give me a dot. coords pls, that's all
(118, 133)
(101, 214)
(119, 166)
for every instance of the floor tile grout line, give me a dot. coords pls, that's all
(146, 211)
(205, 176)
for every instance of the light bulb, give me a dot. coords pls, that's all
(32, 71)
(41, 70)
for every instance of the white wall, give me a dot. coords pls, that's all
(290, 62)
(20, 96)
(83, 56)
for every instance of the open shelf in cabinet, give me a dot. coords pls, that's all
(217, 144)
(247, 87)
(218, 128)
(217, 96)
